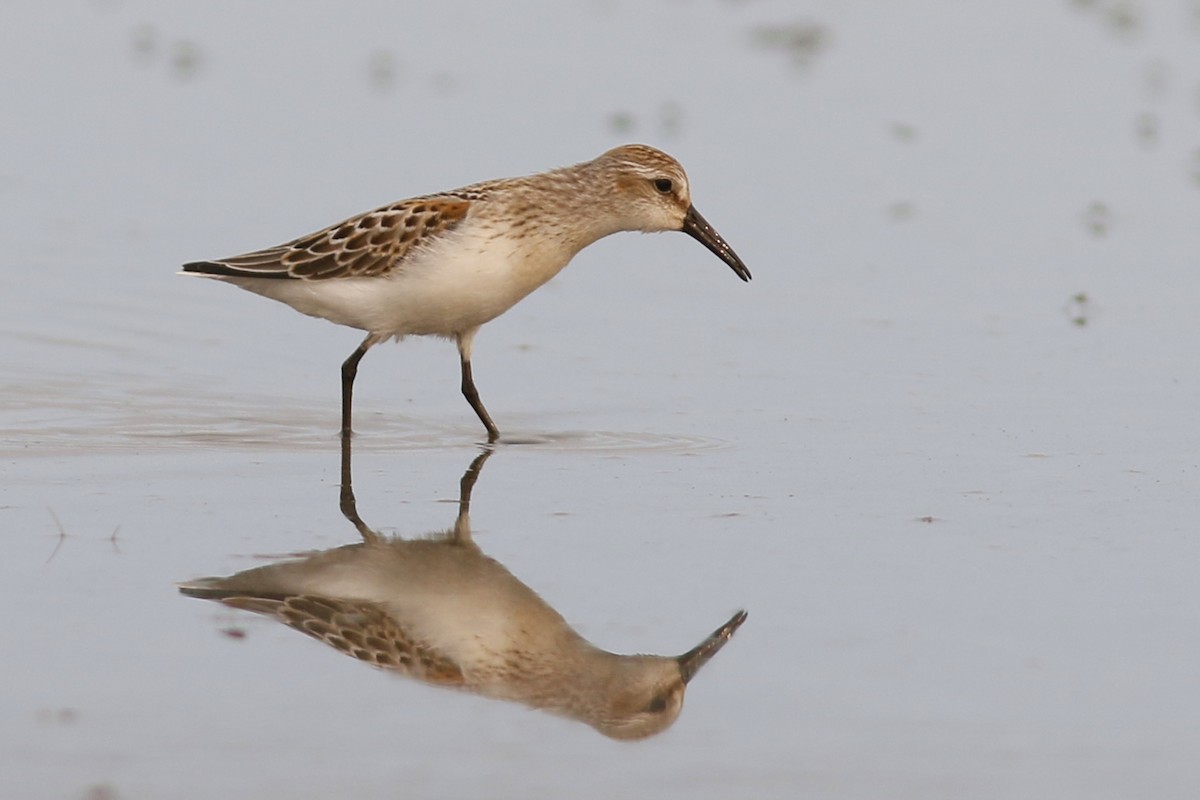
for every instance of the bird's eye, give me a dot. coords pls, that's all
(658, 704)
(664, 185)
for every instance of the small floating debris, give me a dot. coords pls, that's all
(1078, 309)
(802, 40)
(1098, 218)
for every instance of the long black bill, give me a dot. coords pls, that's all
(691, 661)
(698, 228)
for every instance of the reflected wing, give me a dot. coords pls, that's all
(368, 245)
(357, 628)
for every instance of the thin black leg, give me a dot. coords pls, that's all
(472, 394)
(349, 370)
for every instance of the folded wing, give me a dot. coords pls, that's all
(369, 245)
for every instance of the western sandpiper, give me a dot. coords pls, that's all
(440, 611)
(444, 264)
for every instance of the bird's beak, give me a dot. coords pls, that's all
(698, 228)
(691, 661)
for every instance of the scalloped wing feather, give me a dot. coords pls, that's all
(369, 245)
(357, 628)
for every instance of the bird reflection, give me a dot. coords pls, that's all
(437, 609)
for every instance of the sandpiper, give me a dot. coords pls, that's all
(444, 264)
(438, 610)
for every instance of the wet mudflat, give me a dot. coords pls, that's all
(942, 448)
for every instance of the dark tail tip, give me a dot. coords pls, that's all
(207, 268)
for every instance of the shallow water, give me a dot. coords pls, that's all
(942, 448)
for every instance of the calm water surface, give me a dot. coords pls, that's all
(942, 448)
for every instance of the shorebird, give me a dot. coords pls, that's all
(440, 611)
(444, 264)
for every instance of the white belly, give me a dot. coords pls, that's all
(454, 286)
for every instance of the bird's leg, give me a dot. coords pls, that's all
(468, 385)
(349, 370)
(472, 394)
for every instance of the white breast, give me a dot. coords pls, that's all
(461, 281)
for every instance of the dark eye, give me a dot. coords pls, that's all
(658, 704)
(664, 185)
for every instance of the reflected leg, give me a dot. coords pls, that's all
(347, 502)
(462, 525)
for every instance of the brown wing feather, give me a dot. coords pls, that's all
(357, 628)
(371, 244)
